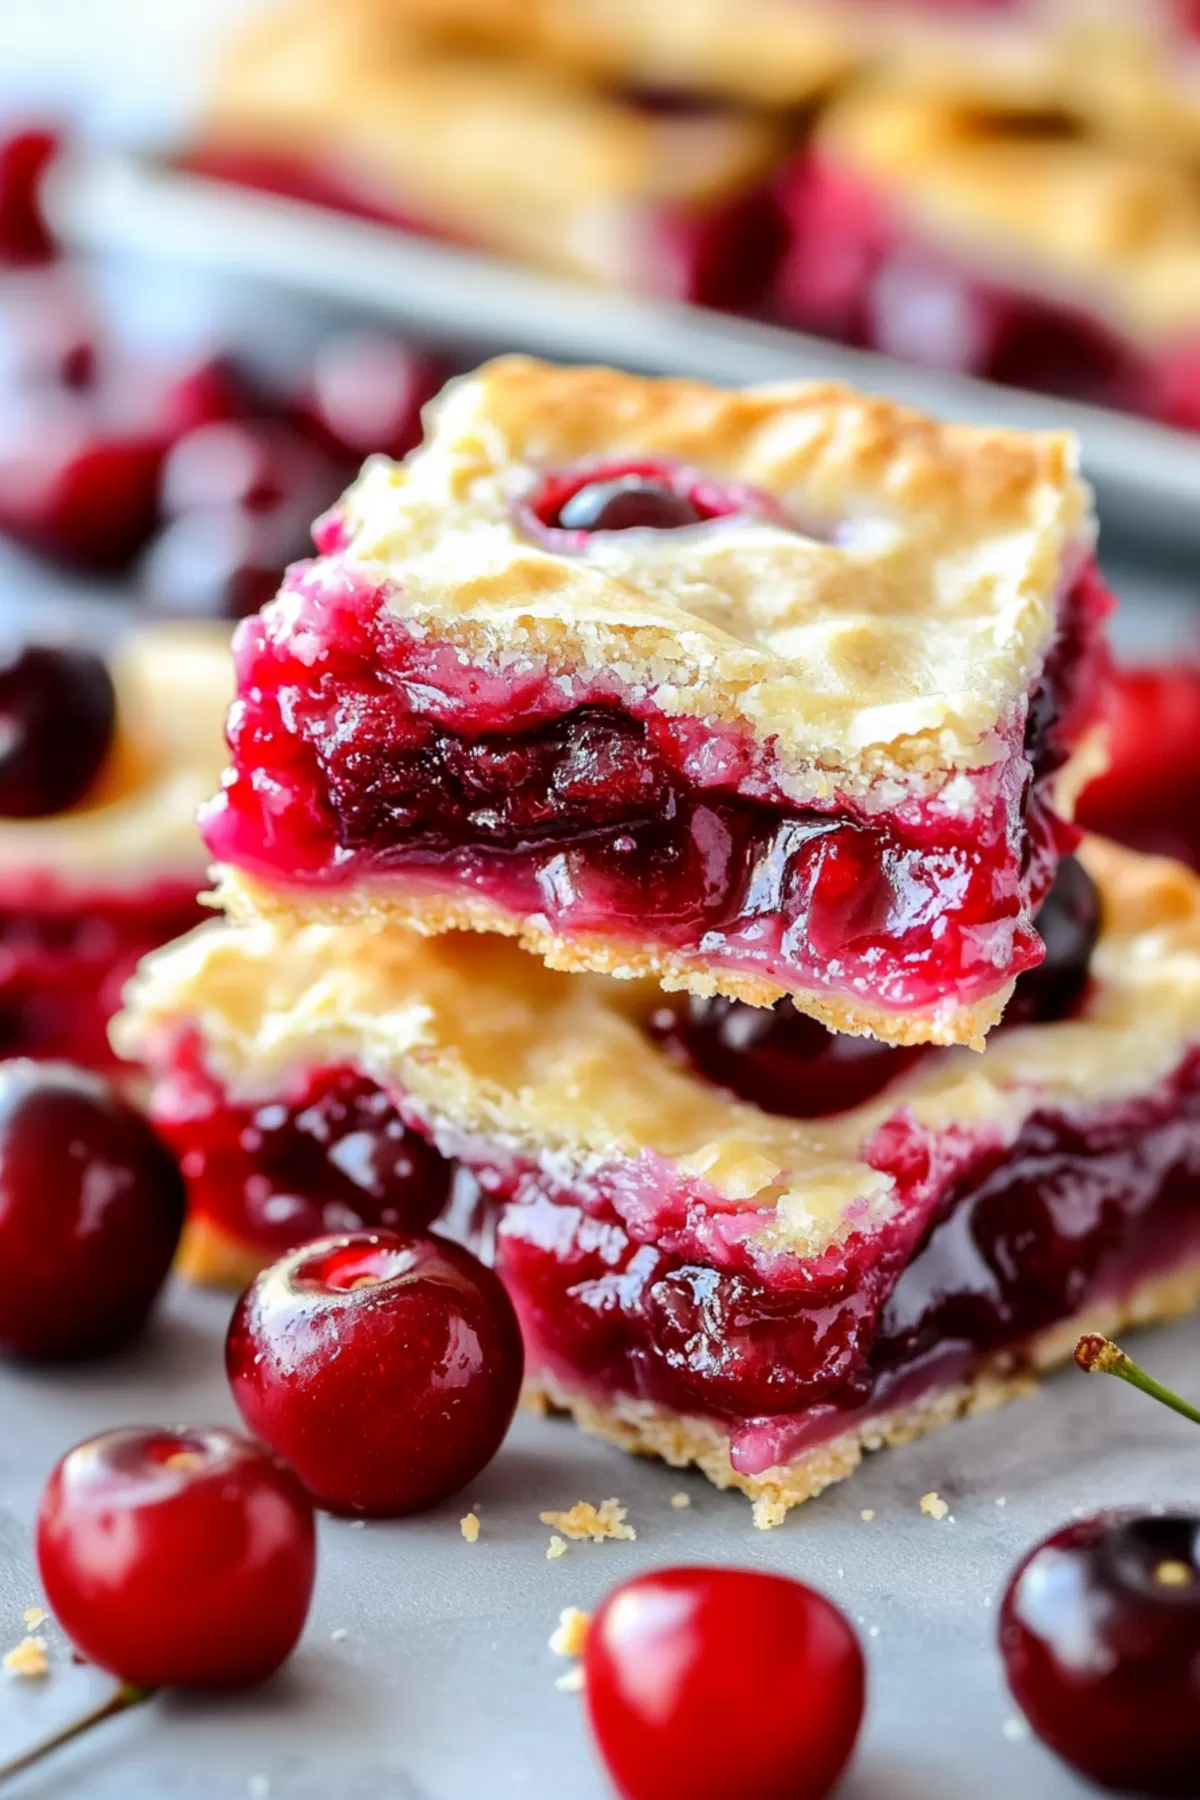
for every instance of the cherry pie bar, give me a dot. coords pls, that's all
(699, 1274)
(998, 243)
(775, 692)
(329, 105)
(90, 881)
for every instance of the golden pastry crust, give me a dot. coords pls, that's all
(485, 1042)
(510, 155)
(174, 684)
(430, 914)
(1114, 229)
(887, 648)
(645, 1429)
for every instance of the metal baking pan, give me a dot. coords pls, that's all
(1147, 476)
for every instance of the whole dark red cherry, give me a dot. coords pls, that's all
(91, 1208)
(58, 709)
(384, 1368)
(1100, 1635)
(783, 1061)
(24, 158)
(722, 1684)
(177, 1558)
(627, 503)
(1069, 925)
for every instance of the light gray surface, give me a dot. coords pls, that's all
(444, 1687)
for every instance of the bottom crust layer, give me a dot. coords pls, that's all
(645, 1429)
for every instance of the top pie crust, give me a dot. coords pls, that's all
(1108, 227)
(174, 684)
(509, 154)
(486, 1043)
(892, 633)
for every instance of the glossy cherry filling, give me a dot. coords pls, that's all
(991, 1243)
(853, 272)
(363, 754)
(65, 956)
(329, 1153)
(722, 253)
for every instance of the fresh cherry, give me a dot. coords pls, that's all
(24, 158)
(1100, 1634)
(384, 1368)
(706, 1684)
(1069, 925)
(58, 711)
(627, 503)
(177, 1558)
(779, 1058)
(91, 1208)
(367, 391)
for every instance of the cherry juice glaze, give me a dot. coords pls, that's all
(361, 752)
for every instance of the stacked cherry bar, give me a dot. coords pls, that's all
(998, 190)
(779, 697)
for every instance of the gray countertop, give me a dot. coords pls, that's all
(425, 1673)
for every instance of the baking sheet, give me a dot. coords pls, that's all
(1147, 476)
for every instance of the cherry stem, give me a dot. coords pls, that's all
(127, 1695)
(1100, 1357)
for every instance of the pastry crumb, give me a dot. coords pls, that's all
(933, 1504)
(570, 1681)
(339, 1636)
(258, 1787)
(470, 1527)
(867, 1513)
(1015, 1729)
(555, 1548)
(27, 1660)
(570, 1634)
(595, 1523)
(768, 1514)
(873, 1631)
(1001, 1500)
(681, 1501)
(34, 1616)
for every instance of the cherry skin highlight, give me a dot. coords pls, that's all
(1100, 1635)
(58, 711)
(627, 503)
(706, 1684)
(385, 1368)
(91, 1208)
(177, 1558)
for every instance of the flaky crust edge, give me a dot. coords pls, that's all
(430, 914)
(644, 1429)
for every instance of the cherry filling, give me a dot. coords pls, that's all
(853, 273)
(385, 755)
(636, 496)
(331, 1154)
(65, 959)
(1024, 1235)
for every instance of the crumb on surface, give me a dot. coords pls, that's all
(768, 1514)
(867, 1513)
(933, 1504)
(555, 1548)
(1015, 1728)
(595, 1523)
(570, 1634)
(34, 1616)
(681, 1501)
(873, 1631)
(571, 1680)
(1001, 1500)
(339, 1636)
(27, 1660)
(470, 1527)
(258, 1787)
